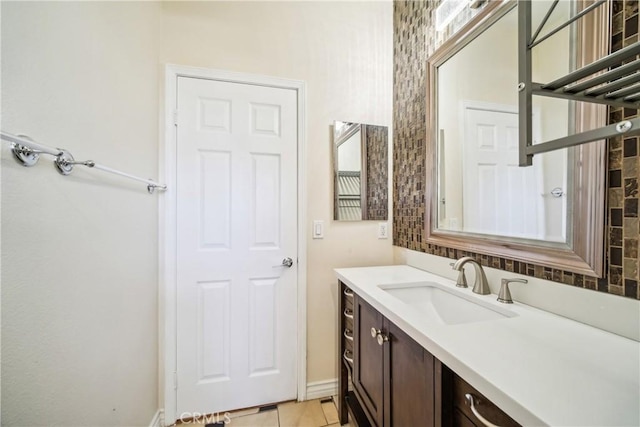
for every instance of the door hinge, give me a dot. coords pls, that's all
(175, 380)
(175, 117)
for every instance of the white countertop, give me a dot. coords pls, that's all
(540, 368)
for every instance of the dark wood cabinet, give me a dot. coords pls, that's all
(410, 388)
(393, 376)
(455, 389)
(389, 380)
(368, 360)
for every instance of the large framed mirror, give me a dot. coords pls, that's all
(549, 214)
(360, 162)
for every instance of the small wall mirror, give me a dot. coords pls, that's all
(360, 160)
(551, 213)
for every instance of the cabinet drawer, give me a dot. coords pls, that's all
(483, 405)
(347, 325)
(347, 311)
(347, 338)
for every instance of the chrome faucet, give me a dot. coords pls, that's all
(480, 286)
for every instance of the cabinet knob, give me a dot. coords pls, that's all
(382, 338)
(375, 332)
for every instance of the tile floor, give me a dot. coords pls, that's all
(312, 413)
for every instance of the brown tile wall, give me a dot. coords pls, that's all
(414, 40)
(377, 141)
(624, 173)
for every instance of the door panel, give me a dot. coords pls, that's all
(236, 165)
(213, 328)
(215, 215)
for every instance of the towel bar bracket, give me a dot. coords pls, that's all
(64, 162)
(24, 155)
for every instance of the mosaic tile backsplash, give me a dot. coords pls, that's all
(415, 39)
(377, 172)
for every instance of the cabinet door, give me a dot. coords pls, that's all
(368, 360)
(409, 389)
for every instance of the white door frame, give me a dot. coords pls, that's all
(168, 227)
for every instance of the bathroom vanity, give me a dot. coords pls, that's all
(416, 350)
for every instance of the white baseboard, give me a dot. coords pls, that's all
(158, 419)
(319, 389)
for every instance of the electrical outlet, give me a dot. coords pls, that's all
(383, 230)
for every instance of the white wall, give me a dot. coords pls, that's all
(79, 295)
(79, 259)
(0, 234)
(343, 51)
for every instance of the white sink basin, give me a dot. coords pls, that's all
(450, 307)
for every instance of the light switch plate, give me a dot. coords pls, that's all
(318, 229)
(383, 230)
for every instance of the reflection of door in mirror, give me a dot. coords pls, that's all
(360, 172)
(495, 196)
(499, 197)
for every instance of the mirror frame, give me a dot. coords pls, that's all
(585, 254)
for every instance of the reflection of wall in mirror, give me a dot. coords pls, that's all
(554, 115)
(461, 79)
(350, 154)
(349, 180)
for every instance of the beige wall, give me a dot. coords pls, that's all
(79, 295)
(343, 51)
(79, 259)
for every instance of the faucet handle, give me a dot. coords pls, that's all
(461, 282)
(505, 295)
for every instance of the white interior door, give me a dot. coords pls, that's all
(236, 222)
(499, 196)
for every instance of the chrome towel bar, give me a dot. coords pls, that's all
(27, 152)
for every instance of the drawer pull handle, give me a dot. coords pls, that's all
(348, 293)
(471, 401)
(375, 332)
(348, 334)
(348, 313)
(346, 355)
